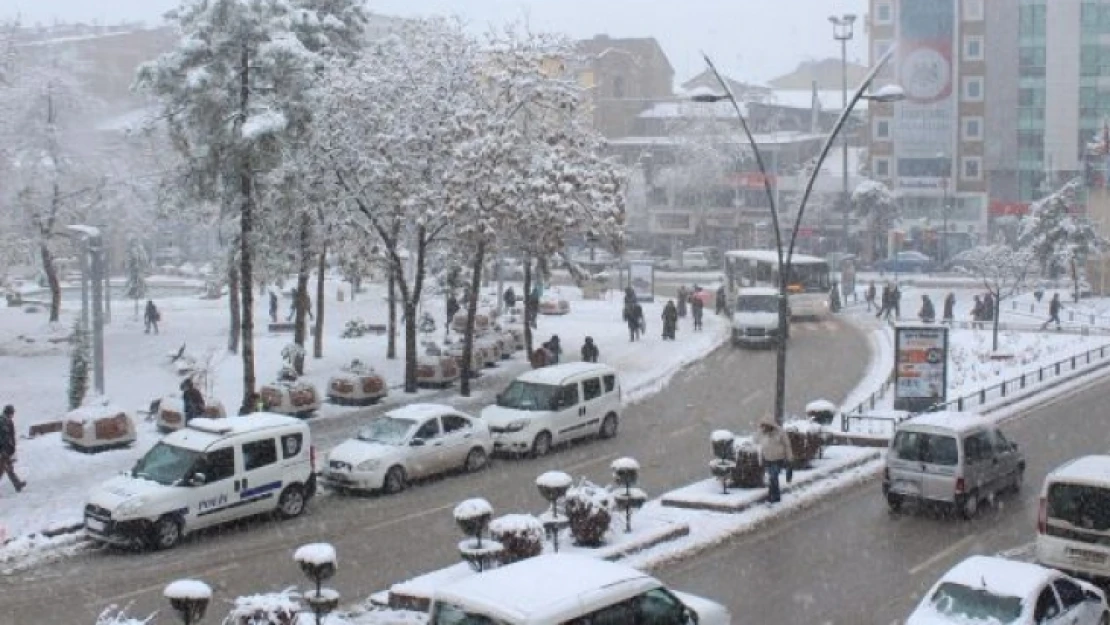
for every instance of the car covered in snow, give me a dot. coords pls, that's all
(414, 441)
(209, 472)
(985, 589)
(562, 588)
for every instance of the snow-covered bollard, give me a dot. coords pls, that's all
(189, 598)
(722, 465)
(626, 471)
(806, 441)
(553, 486)
(318, 563)
(96, 425)
(521, 536)
(357, 384)
(473, 517)
(821, 411)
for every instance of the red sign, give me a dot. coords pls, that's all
(999, 208)
(751, 180)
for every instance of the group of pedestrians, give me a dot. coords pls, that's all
(982, 309)
(890, 302)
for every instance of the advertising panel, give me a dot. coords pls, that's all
(641, 277)
(920, 367)
(926, 120)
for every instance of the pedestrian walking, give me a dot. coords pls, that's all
(273, 307)
(683, 297)
(869, 296)
(452, 308)
(306, 301)
(509, 297)
(896, 301)
(927, 313)
(977, 312)
(554, 348)
(7, 448)
(884, 305)
(634, 317)
(988, 307)
(775, 450)
(670, 320)
(151, 317)
(629, 296)
(949, 307)
(1054, 307)
(590, 352)
(292, 305)
(533, 308)
(697, 309)
(721, 301)
(193, 400)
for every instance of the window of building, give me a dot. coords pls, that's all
(881, 166)
(971, 168)
(884, 13)
(973, 89)
(972, 129)
(973, 10)
(973, 48)
(881, 131)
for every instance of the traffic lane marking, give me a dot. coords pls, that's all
(142, 591)
(943, 554)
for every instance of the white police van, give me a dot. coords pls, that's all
(210, 472)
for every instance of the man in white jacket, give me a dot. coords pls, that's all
(774, 447)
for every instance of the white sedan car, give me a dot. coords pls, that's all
(411, 442)
(984, 589)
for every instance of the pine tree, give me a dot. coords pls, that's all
(137, 263)
(78, 366)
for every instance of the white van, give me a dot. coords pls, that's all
(755, 317)
(553, 405)
(1073, 523)
(210, 472)
(958, 459)
(562, 589)
(695, 259)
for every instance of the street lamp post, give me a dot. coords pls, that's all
(889, 93)
(92, 244)
(843, 31)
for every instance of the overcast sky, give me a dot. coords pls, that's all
(750, 39)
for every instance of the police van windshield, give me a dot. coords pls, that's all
(166, 464)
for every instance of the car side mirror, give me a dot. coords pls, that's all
(416, 442)
(198, 479)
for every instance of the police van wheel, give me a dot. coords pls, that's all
(291, 503)
(166, 533)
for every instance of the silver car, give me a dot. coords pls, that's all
(951, 458)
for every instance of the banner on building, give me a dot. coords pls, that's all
(920, 367)
(925, 122)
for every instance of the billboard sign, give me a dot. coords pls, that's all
(925, 122)
(641, 277)
(920, 367)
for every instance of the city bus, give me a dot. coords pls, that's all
(809, 285)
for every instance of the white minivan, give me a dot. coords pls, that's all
(553, 405)
(563, 589)
(755, 317)
(1073, 523)
(210, 472)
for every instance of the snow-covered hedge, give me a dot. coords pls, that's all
(589, 508)
(521, 536)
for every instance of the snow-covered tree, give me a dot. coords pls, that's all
(137, 265)
(236, 91)
(1003, 271)
(79, 365)
(1058, 239)
(876, 204)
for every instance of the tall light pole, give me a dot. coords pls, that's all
(93, 250)
(944, 214)
(885, 94)
(843, 31)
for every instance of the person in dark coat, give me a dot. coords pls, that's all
(533, 308)
(949, 307)
(697, 308)
(634, 317)
(509, 297)
(928, 313)
(884, 305)
(7, 447)
(273, 307)
(721, 302)
(683, 296)
(554, 348)
(590, 352)
(1054, 308)
(896, 301)
(988, 307)
(977, 311)
(452, 309)
(151, 316)
(869, 296)
(670, 320)
(194, 401)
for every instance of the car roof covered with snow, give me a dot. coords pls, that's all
(955, 422)
(202, 432)
(757, 290)
(547, 588)
(557, 374)
(999, 576)
(418, 412)
(1094, 470)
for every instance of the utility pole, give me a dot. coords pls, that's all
(843, 31)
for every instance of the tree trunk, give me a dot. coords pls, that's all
(300, 300)
(318, 331)
(391, 343)
(994, 316)
(1074, 279)
(246, 232)
(52, 281)
(527, 306)
(410, 347)
(471, 314)
(233, 305)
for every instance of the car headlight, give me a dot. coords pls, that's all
(516, 426)
(369, 465)
(130, 507)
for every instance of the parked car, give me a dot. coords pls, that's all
(961, 262)
(954, 459)
(414, 441)
(564, 588)
(211, 471)
(984, 589)
(906, 262)
(1074, 517)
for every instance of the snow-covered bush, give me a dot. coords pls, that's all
(118, 616)
(589, 508)
(521, 536)
(277, 608)
(355, 328)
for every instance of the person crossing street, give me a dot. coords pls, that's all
(1054, 308)
(7, 448)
